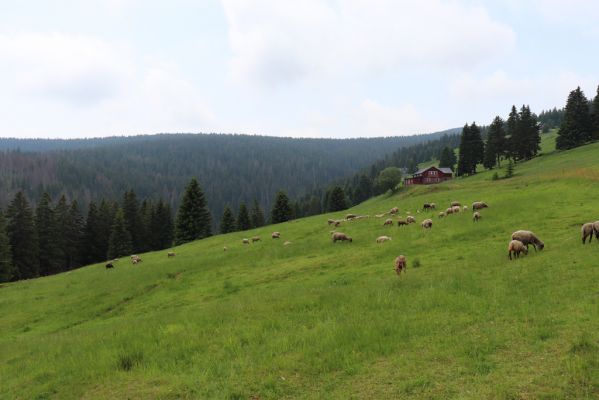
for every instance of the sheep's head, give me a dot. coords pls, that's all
(525, 250)
(541, 245)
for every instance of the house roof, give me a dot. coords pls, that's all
(444, 170)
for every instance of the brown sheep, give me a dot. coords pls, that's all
(587, 231)
(331, 221)
(135, 259)
(255, 239)
(394, 210)
(456, 203)
(382, 239)
(349, 217)
(479, 205)
(449, 211)
(276, 235)
(245, 241)
(170, 254)
(341, 236)
(427, 224)
(441, 214)
(456, 209)
(109, 265)
(401, 222)
(476, 216)
(596, 229)
(388, 221)
(516, 247)
(410, 219)
(527, 237)
(400, 264)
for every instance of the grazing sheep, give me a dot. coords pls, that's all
(255, 239)
(379, 215)
(276, 235)
(337, 223)
(115, 260)
(427, 224)
(456, 209)
(394, 210)
(476, 216)
(135, 259)
(479, 205)
(170, 254)
(402, 222)
(465, 208)
(400, 264)
(331, 221)
(341, 236)
(109, 265)
(596, 229)
(134, 256)
(456, 203)
(388, 221)
(286, 243)
(587, 231)
(410, 219)
(245, 241)
(426, 206)
(527, 237)
(349, 217)
(441, 214)
(516, 247)
(225, 248)
(449, 211)
(433, 206)
(382, 239)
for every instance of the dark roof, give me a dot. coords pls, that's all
(444, 170)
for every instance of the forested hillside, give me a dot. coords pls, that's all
(231, 168)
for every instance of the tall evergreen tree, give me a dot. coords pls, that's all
(227, 222)
(145, 234)
(22, 236)
(243, 218)
(120, 243)
(281, 211)
(514, 141)
(595, 115)
(529, 130)
(47, 235)
(193, 219)
(106, 215)
(447, 159)
(133, 220)
(257, 215)
(62, 221)
(6, 268)
(471, 150)
(75, 238)
(576, 128)
(363, 190)
(92, 235)
(338, 200)
(162, 226)
(495, 146)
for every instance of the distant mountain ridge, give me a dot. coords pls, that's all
(231, 168)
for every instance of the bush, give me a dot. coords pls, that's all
(495, 176)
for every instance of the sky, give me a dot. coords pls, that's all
(310, 68)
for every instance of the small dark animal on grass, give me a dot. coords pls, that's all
(109, 265)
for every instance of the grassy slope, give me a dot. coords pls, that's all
(317, 320)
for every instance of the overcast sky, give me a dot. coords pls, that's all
(312, 68)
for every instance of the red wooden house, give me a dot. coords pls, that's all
(430, 175)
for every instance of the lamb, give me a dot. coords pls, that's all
(389, 221)
(341, 236)
(465, 208)
(331, 221)
(276, 235)
(410, 219)
(476, 216)
(394, 210)
(587, 231)
(109, 265)
(441, 214)
(402, 222)
(427, 223)
(433, 206)
(479, 205)
(456, 203)
(426, 206)
(527, 237)
(255, 239)
(337, 223)
(456, 209)
(382, 239)
(225, 248)
(170, 254)
(245, 241)
(135, 259)
(516, 247)
(449, 211)
(400, 264)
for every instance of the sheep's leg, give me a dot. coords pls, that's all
(509, 254)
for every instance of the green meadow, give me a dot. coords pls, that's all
(317, 320)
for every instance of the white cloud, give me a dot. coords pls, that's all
(379, 120)
(276, 42)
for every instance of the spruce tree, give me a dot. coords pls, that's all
(7, 272)
(146, 234)
(22, 237)
(576, 128)
(75, 238)
(162, 226)
(513, 142)
(120, 243)
(243, 218)
(529, 131)
(227, 222)
(471, 150)
(447, 159)
(106, 215)
(47, 235)
(595, 116)
(338, 200)
(281, 210)
(495, 146)
(133, 220)
(193, 219)
(91, 246)
(257, 215)
(363, 190)
(62, 221)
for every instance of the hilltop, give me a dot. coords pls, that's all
(322, 320)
